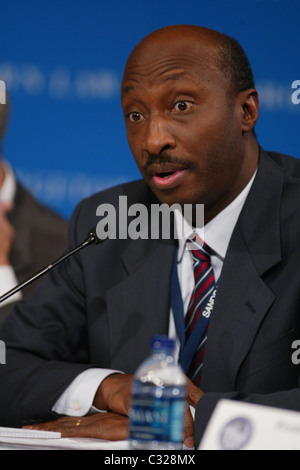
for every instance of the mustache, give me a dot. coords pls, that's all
(164, 158)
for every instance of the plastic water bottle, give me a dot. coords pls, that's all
(159, 400)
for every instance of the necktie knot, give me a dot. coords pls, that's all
(200, 251)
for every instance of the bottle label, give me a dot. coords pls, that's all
(157, 419)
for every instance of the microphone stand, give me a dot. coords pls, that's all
(90, 240)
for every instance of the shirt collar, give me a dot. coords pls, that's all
(218, 231)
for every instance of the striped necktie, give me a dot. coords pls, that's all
(201, 303)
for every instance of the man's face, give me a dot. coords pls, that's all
(183, 128)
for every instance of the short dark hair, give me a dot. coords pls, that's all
(234, 63)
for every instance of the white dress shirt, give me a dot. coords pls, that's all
(77, 399)
(8, 278)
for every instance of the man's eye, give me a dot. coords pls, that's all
(183, 106)
(134, 116)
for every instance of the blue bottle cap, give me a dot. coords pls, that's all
(162, 342)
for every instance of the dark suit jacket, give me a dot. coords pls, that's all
(101, 307)
(40, 238)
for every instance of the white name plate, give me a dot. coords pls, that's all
(245, 426)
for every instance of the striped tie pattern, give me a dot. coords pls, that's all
(201, 297)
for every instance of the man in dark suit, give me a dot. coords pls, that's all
(31, 234)
(190, 108)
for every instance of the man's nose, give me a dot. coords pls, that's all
(158, 136)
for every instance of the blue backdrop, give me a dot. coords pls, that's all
(62, 62)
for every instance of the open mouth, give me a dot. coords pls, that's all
(165, 175)
(168, 179)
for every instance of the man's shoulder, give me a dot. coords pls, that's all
(289, 165)
(133, 192)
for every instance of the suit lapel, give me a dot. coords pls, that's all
(242, 301)
(243, 298)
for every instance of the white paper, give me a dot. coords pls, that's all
(28, 433)
(7, 443)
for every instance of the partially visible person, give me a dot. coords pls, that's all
(31, 234)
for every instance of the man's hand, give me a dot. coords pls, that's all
(7, 234)
(114, 394)
(108, 426)
(194, 394)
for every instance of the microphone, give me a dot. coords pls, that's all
(91, 239)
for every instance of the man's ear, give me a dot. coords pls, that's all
(249, 105)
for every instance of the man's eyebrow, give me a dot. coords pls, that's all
(127, 88)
